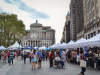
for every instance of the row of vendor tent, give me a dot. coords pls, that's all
(15, 46)
(94, 41)
(37, 48)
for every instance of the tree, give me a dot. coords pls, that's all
(11, 29)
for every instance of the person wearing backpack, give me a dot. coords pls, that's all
(11, 57)
(33, 59)
(5, 56)
(82, 57)
(39, 61)
(25, 56)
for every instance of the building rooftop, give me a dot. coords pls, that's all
(36, 24)
(50, 29)
(68, 14)
(27, 30)
(43, 30)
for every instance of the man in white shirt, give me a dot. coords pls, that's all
(57, 58)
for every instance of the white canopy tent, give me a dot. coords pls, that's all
(56, 46)
(42, 48)
(35, 47)
(78, 43)
(53, 45)
(69, 45)
(71, 42)
(62, 45)
(15, 46)
(94, 41)
(2, 48)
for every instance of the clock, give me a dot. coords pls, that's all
(34, 33)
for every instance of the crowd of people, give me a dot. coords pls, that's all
(38, 57)
(8, 56)
(92, 57)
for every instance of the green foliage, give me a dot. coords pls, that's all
(11, 29)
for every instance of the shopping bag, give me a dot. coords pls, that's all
(82, 63)
(95, 65)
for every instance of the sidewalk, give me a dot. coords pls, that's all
(19, 68)
(4, 67)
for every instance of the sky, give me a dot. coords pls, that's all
(47, 12)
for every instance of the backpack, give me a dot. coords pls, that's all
(25, 55)
(32, 55)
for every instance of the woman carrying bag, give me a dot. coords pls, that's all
(82, 63)
(33, 59)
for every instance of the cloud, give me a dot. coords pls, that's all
(34, 14)
(1, 10)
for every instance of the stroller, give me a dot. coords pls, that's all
(57, 64)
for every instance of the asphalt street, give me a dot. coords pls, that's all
(19, 68)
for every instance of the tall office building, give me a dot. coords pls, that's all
(73, 20)
(67, 26)
(65, 35)
(91, 9)
(39, 35)
(68, 31)
(79, 19)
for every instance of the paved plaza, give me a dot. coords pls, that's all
(19, 68)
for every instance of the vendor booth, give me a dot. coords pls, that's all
(2, 48)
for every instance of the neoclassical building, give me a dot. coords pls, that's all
(39, 35)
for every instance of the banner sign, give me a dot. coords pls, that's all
(86, 48)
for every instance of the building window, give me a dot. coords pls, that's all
(98, 31)
(98, 25)
(96, 5)
(95, 0)
(94, 27)
(97, 20)
(86, 36)
(97, 10)
(94, 33)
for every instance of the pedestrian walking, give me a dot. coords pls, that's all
(30, 57)
(46, 55)
(25, 56)
(74, 56)
(64, 58)
(21, 55)
(96, 55)
(82, 57)
(51, 59)
(87, 58)
(8, 56)
(5, 56)
(39, 61)
(33, 59)
(17, 52)
(11, 57)
(43, 54)
(0, 55)
(69, 55)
